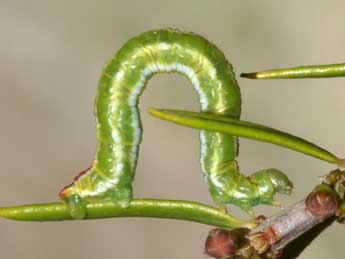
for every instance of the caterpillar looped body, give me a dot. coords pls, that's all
(119, 128)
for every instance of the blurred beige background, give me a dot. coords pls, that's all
(51, 55)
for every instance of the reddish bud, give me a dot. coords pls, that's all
(223, 243)
(322, 202)
(263, 239)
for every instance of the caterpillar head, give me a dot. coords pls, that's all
(280, 181)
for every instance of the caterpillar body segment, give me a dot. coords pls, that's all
(249, 191)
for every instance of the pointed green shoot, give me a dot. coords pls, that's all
(245, 129)
(317, 71)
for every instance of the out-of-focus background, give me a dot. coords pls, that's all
(51, 56)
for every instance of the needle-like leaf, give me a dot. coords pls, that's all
(245, 129)
(153, 208)
(315, 71)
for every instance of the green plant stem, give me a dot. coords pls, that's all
(152, 208)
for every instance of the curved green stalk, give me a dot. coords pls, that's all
(245, 129)
(318, 71)
(152, 208)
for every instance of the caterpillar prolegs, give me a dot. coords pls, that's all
(119, 128)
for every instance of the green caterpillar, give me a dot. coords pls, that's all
(119, 128)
